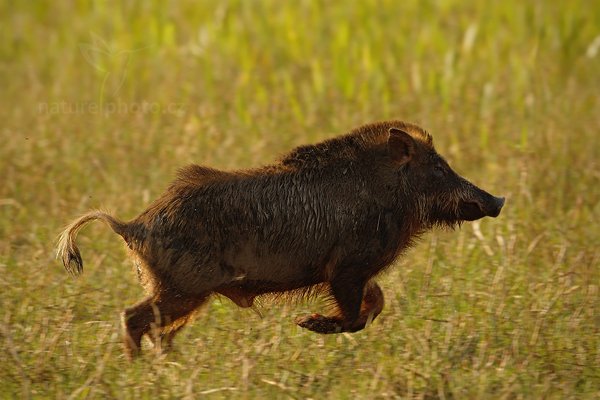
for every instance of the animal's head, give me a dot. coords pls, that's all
(440, 195)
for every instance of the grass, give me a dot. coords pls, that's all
(100, 104)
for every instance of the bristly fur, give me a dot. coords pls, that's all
(352, 145)
(296, 296)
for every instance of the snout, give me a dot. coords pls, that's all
(496, 206)
(483, 205)
(489, 206)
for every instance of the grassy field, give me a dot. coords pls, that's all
(100, 104)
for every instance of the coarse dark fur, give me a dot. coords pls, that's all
(326, 218)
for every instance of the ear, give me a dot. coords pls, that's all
(401, 145)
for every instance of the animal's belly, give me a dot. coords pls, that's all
(276, 269)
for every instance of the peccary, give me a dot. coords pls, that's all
(326, 218)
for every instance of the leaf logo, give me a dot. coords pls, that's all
(111, 63)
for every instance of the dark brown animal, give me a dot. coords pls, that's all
(325, 218)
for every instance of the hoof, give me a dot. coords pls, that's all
(320, 324)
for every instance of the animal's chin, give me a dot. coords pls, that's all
(452, 224)
(448, 222)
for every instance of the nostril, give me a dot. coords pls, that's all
(500, 202)
(495, 210)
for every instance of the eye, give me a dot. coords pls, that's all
(439, 171)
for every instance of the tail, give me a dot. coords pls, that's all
(67, 250)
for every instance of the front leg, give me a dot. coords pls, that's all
(358, 305)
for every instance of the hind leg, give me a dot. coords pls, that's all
(358, 306)
(155, 313)
(162, 338)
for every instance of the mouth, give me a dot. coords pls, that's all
(474, 210)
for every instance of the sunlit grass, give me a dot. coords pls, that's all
(102, 102)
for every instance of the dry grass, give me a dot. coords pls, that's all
(101, 104)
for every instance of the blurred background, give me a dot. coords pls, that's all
(101, 102)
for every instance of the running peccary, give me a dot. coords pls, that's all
(326, 218)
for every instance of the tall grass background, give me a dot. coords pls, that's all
(101, 102)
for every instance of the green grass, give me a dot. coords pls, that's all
(504, 308)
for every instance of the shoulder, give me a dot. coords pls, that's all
(351, 146)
